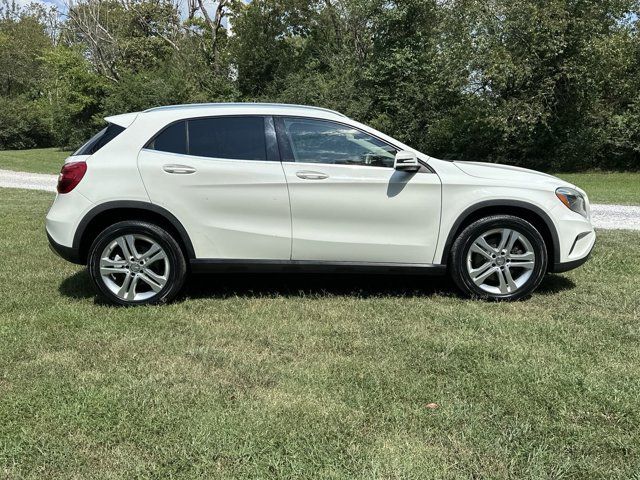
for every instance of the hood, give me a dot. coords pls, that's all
(495, 171)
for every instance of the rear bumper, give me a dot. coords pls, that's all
(70, 254)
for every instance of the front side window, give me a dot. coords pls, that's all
(237, 138)
(322, 141)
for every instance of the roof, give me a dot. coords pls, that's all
(242, 106)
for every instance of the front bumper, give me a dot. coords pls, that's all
(561, 267)
(567, 266)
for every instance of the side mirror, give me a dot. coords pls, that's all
(406, 162)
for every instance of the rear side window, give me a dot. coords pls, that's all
(172, 139)
(100, 139)
(236, 138)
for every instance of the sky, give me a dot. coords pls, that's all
(62, 4)
(57, 3)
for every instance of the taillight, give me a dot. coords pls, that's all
(70, 176)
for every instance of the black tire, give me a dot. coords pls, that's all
(175, 263)
(458, 262)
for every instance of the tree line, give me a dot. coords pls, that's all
(549, 84)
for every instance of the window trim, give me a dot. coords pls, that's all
(272, 153)
(275, 153)
(285, 147)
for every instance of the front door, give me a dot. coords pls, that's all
(347, 201)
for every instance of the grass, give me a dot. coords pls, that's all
(602, 187)
(38, 160)
(315, 377)
(612, 188)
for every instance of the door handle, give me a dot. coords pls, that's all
(305, 175)
(179, 169)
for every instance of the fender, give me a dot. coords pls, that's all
(122, 204)
(503, 203)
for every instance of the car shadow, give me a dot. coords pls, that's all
(80, 286)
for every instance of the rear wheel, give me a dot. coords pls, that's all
(137, 263)
(500, 257)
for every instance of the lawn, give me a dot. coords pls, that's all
(315, 376)
(602, 187)
(38, 160)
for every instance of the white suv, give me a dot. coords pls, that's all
(261, 187)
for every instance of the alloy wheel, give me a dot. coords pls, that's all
(134, 267)
(500, 261)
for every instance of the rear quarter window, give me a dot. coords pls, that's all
(100, 139)
(172, 139)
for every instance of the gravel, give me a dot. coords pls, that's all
(608, 217)
(615, 217)
(30, 181)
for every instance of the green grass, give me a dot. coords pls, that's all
(296, 376)
(603, 187)
(622, 188)
(38, 160)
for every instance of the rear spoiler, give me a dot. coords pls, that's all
(123, 120)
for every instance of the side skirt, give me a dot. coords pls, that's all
(210, 265)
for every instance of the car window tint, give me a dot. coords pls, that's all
(172, 139)
(100, 139)
(240, 138)
(320, 141)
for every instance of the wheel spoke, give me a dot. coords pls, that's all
(131, 243)
(509, 278)
(504, 287)
(124, 247)
(482, 274)
(124, 288)
(155, 248)
(528, 256)
(160, 255)
(525, 265)
(109, 266)
(112, 270)
(515, 236)
(159, 279)
(478, 248)
(482, 243)
(504, 240)
(131, 291)
(154, 281)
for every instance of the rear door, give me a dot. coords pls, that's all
(222, 178)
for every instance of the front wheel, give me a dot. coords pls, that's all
(137, 263)
(501, 257)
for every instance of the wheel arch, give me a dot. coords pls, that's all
(527, 211)
(101, 216)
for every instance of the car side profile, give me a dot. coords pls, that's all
(266, 187)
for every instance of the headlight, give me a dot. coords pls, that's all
(573, 200)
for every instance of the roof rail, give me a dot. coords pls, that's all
(241, 104)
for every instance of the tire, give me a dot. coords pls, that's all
(154, 273)
(499, 274)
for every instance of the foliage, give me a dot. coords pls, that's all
(551, 85)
